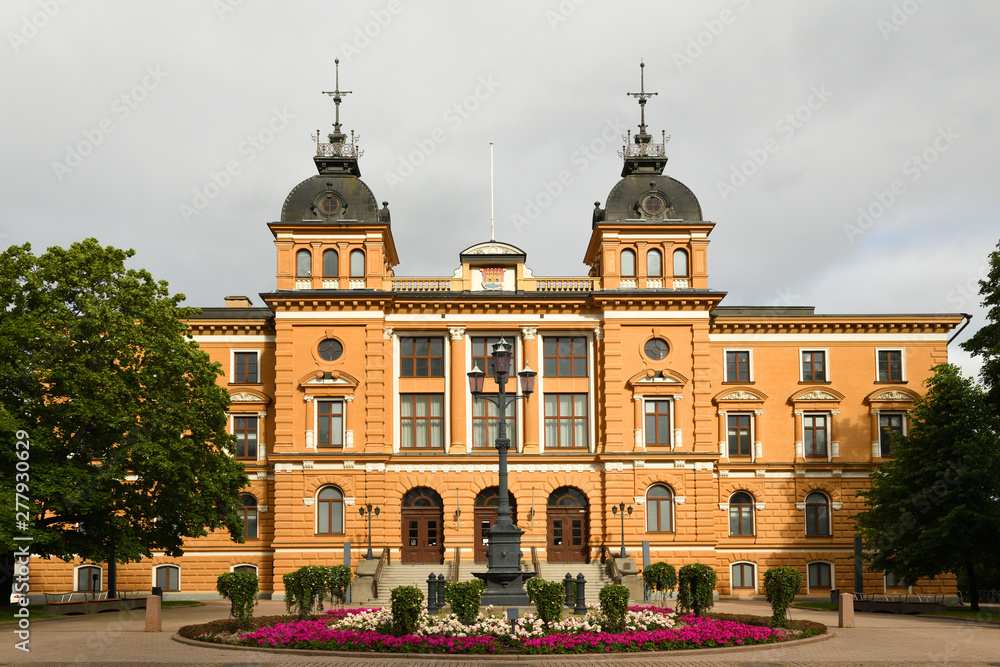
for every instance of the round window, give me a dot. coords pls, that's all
(656, 349)
(652, 205)
(330, 205)
(330, 350)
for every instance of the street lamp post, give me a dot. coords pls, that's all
(504, 578)
(367, 510)
(620, 509)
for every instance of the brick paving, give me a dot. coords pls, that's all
(113, 640)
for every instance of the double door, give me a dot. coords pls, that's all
(567, 535)
(423, 541)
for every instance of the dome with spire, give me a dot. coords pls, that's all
(336, 194)
(644, 194)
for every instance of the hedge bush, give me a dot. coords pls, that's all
(659, 577)
(307, 587)
(780, 586)
(407, 601)
(240, 588)
(465, 599)
(548, 597)
(614, 605)
(339, 579)
(695, 588)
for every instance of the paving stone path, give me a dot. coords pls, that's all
(118, 640)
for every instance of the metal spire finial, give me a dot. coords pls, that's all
(642, 96)
(338, 95)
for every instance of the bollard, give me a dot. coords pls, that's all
(846, 611)
(581, 599)
(440, 591)
(432, 605)
(153, 616)
(568, 583)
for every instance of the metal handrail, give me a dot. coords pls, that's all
(535, 563)
(458, 564)
(609, 560)
(383, 560)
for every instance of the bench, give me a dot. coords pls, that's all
(91, 602)
(899, 604)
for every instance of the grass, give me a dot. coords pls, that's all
(954, 611)
(35, 610)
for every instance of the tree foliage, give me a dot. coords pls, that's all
(126, 423)
(934, 507)
(240, 588)
(696, 588)
(781, 585)
(985, 343)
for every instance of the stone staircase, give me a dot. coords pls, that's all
(397, 574)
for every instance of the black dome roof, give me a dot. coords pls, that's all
(354, 200)
(626, 199)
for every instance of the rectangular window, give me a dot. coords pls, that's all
(738, 366)
(566, 420)
(892, 581)
(890, 365)
(814, 427)
(565, 356)
(738, 427)
(890, 426)
(245, 367)
(486, 424)
(658, 423)
(421, 357)
(168, 577)
(421, 421)
(814, 366)
(330, 423)
(482, 348)
(245, 430)
(743, 575)
(819, 575)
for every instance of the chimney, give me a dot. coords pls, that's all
(238, 302)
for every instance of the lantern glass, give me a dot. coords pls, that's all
(527, 380)
(476, 379)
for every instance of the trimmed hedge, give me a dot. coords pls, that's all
(465, 598)
(614, 605)
(548, 597)
(695, 589)
(780, 586)
(407, 603)
(240, 588)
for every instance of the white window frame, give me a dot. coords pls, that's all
(826, 360)
(76, 574)
(256, 569)
(732, 579)
(833, 574)
(829, 434)
(902, 362)
(232, 364)
(673, 409)
(343, 511)
(885, 585)
(725, 363)
(753, 516)
(260, 420)
(179, 573)
(673, 510)
(540, 385)
(343, 422)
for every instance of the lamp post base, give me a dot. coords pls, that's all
(505, 589)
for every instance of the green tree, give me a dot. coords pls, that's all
(126, 424)
(985, 343)
(934, 507)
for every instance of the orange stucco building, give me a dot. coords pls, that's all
(739, 436)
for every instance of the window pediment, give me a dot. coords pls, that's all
(739, 394)
(823, 395)
(245, 396)
(665, 378)
(895, 395)
(334, 379)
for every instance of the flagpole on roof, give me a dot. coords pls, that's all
(491, 192)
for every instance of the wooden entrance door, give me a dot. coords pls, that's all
(568, 529)
(485, 516)
(422, 526)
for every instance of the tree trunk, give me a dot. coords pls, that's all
(970, 571)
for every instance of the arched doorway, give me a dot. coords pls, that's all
(423, 524)
(568, 529)
(486, 515)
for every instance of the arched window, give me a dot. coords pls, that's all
(744, 575)
(659, 509)
(817, 514)
(331, 265)
(628, 262)
(680, 263)
(654, 264)
(249, 513)
(330, 511)
(820, 575)
(357, 263)
(741, 514)
(252, 569)
(168, 577)
(567, 496)
(88, 578)
(303, 263)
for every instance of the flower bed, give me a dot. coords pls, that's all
(367, 630)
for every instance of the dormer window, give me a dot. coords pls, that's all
(653, 205)
(303, 263)
(329, 206)
(680, 263)
(654, 264)
(628, 263)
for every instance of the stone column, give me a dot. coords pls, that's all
(529, 344)
(458, 384)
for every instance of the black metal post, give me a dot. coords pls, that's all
(432, 605)
(620, 509)
(568, 583)
(363, 510)
(581, 598)
(440, 590)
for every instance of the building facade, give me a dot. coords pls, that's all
(739, 436)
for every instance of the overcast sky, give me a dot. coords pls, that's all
(846, 149)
